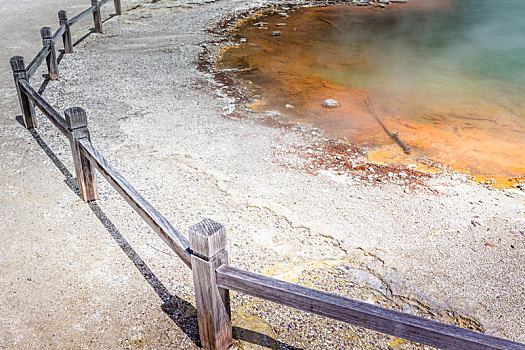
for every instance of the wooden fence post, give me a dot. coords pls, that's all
(76, 120)
(208, 243)
(66, 37)
(51, 59)
(26, 104)
(118, 7)
(97, 17)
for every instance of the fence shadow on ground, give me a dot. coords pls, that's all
(92, 31)
(180, 311)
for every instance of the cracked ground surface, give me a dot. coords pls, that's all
(94, 276)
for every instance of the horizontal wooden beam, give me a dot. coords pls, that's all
(44, 106)
(37, 61)
(81, 15)
(59, 32)
(103, 2)
(359, 313)
(173, 238)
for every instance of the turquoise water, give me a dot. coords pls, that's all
(469, 48)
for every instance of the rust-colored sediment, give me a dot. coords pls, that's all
(466, 137)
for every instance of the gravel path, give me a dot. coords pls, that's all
(95, 276)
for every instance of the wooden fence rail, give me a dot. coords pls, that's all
(205, 251)
(60, 31)
(173, 238)
(44, 106)
(81, 15)
(358, 313)
(37, 61)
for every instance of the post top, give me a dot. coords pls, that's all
(46, 33)
(75, 118)
(207, 227)
(17, 63)
(207, 238)
(62, 14)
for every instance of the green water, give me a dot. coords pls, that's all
(449, 76)
(473, 48)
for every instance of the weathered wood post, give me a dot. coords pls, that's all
(26, 104)
(208, 242)
(51, 59)
(97, 17)
(118, 7)
(66, 37)
(76, 120)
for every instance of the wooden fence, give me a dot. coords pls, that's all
(205, 252)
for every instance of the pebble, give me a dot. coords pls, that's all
(289, 106)
(477, 222)
(280, 24)
(454, 225)
(331, 103)
(276, 33)
(242, 40)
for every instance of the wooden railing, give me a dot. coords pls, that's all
(205, 251)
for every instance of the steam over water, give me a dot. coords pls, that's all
(448, 76)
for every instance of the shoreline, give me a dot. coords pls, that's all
(339, 156)
(423, 252)
(383, 154)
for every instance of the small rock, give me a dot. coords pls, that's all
(330, 103)
(476, 222)
(407, 190)
(29, 279)
(283, 14)
(289, 106)
(260, 24)
(276, 33)
(242, 40)
(454, 225)
(280, 24)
